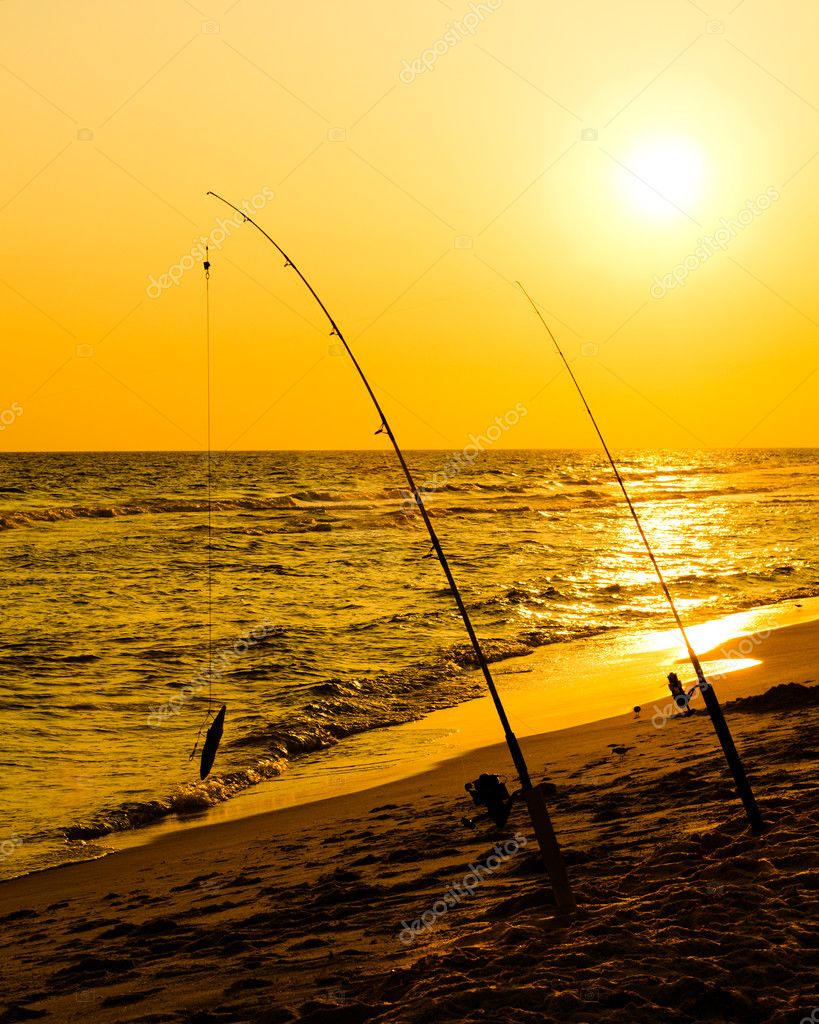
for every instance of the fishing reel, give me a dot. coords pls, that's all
(490, 791)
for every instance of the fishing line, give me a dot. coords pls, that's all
(209, 562)
(206, 266)
(707, 690)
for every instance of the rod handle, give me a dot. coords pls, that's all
(549, 849)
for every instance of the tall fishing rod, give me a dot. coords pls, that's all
(538, 811)
(709, 696)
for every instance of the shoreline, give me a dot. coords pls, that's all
(466, 733)
(617, 666)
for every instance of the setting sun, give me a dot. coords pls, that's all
(666, 176)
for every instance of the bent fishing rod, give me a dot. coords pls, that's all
(709, 696)
(534, 798)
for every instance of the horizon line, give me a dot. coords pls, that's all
(254, 451)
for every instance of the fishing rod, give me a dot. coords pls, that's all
(709, 696)
(538, 811)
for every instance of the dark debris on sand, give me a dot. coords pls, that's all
(785, 697)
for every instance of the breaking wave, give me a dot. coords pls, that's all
(186, 800)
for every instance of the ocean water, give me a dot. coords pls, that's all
(328, 617)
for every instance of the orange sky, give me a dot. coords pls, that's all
(647, 169)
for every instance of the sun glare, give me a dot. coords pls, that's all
(664, 176)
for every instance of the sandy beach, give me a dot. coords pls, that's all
(324, 912)
(394, 396)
